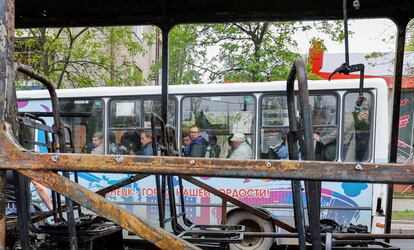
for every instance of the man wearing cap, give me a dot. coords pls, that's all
(242, 151)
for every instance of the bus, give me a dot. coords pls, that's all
(258, 110)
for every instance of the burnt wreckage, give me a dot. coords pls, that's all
(74, 229)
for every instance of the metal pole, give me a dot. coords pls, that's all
(6, 89)
(3, 209)
(293, 155)
(398, 71)
(313, 188)
(344, 2)
(164, 74)
(22, 202)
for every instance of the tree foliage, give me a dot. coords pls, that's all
(198, 53)
(81, 57)
(258, 51)
(409, 41)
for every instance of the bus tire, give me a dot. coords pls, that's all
(252, 223)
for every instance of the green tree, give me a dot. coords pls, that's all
(409, 40)
(81, 57)
(257, 51)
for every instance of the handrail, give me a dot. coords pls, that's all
(302, 131)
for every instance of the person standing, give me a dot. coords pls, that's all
(199, 144)
(146, 143)
(242, 150)
(186, 145)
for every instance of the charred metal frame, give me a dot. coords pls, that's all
(39, 167)
(300, 133)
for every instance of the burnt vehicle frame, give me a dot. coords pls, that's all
(165, 14)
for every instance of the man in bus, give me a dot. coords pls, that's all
(242, 151)
(199, 144)
(97, 140)
(146, 143)
(186, 145)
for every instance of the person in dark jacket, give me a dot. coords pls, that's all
(186, 145)
(199, 144)
(146, 142)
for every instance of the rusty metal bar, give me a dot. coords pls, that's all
(8, 109)
(398, 71)
(59, 134)
(302, 132)
(27, 70)
(294, 134)
(15, 157)
(242, 205)
(6, 78)
(107, 209)
(122, 183)
(2, 210)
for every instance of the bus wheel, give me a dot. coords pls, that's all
(252, 223)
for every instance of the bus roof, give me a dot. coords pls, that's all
(278, 86)
(167, 13)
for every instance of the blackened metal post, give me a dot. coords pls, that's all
(22, 202)
(346, 31)
(398, 71)
(312, 187)
(293, 155)
(60, 135)
(160, 202)
(164, 74)
(164, 108)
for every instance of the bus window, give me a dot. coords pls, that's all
(154, 106)
(275, 125)
(274, 111)
(124, 142)
(125, 113)
(84, 128)
(323, 110)
(325, 131)
(220, 117)
(126, 129)
(357, 135)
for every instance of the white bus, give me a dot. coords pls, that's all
(259, 110)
